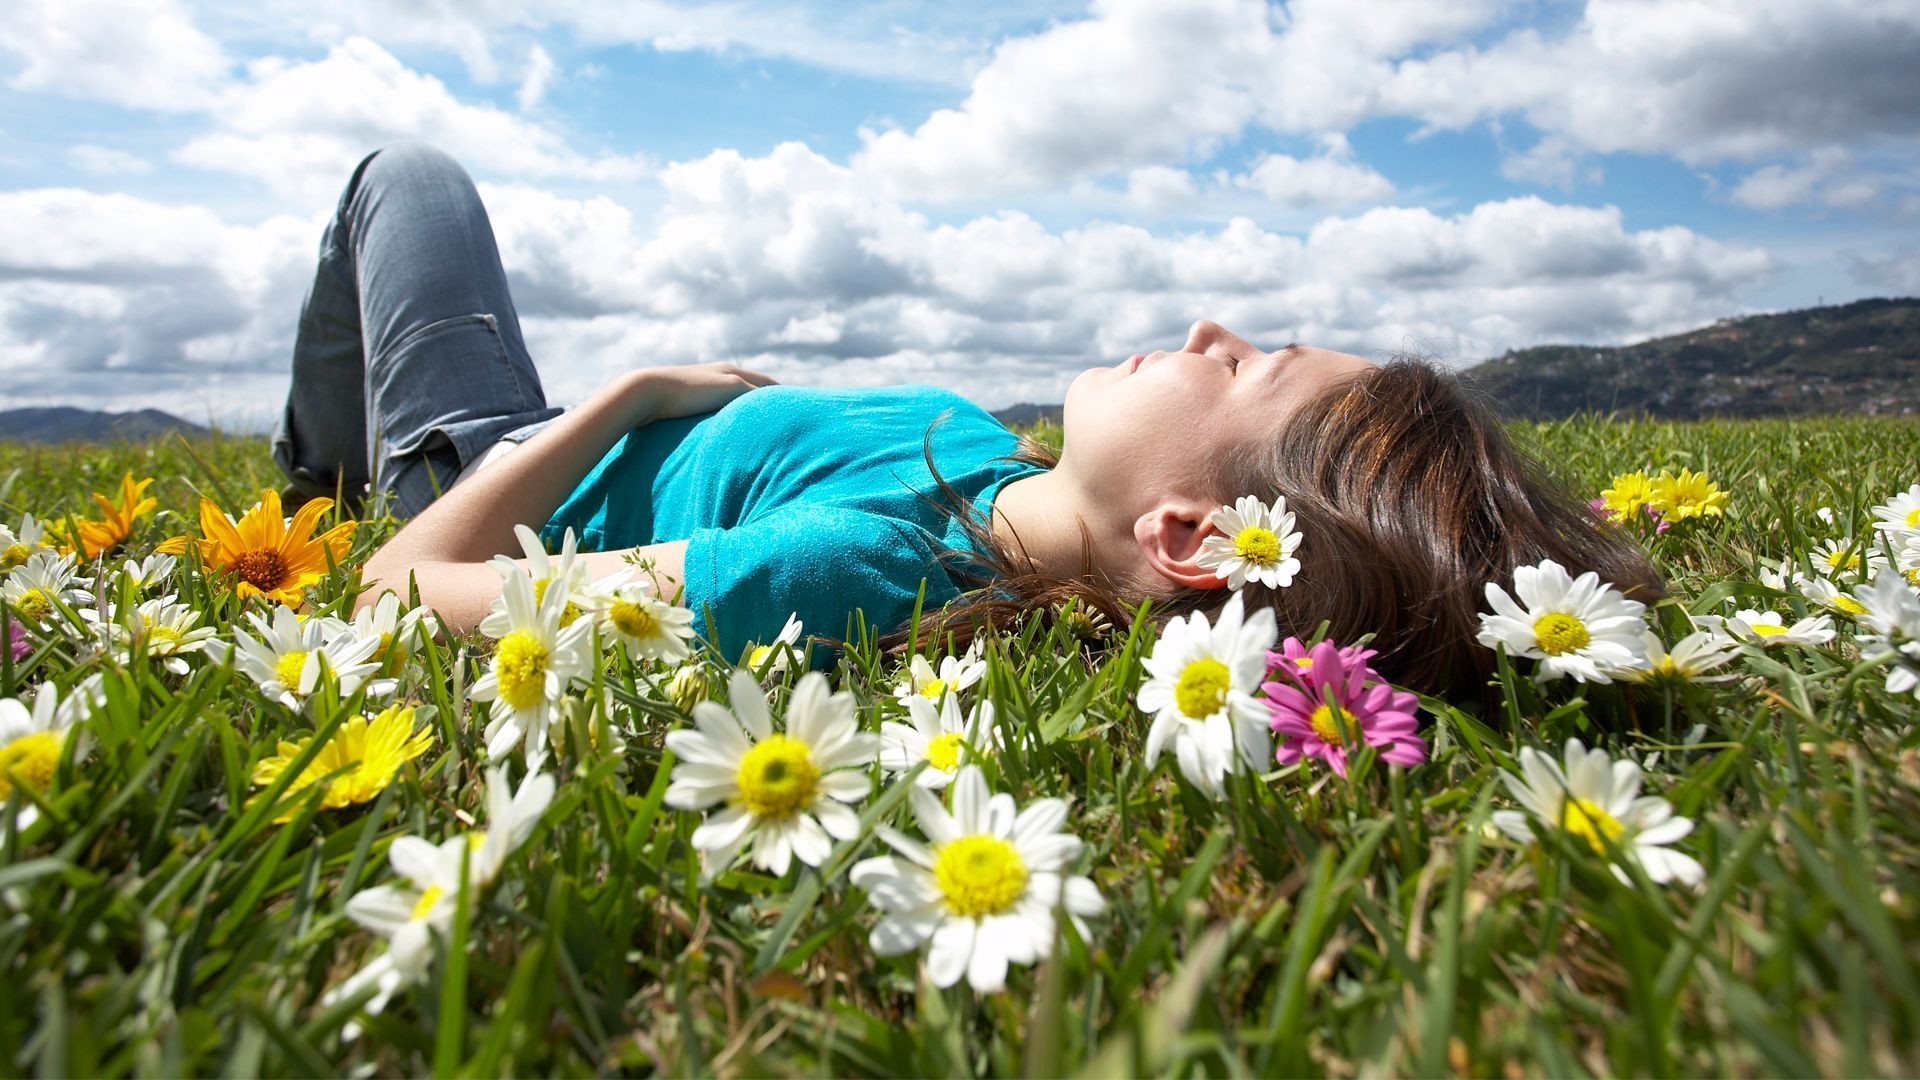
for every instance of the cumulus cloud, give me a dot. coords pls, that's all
(1703, 80)
(301, 126)
(185, 310)
(146, 54)
(1314, 182)
(1137, 83)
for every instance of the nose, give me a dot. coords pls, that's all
(1206, 334)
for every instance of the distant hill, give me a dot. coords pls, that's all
(64, 424)
(1862, 357)
(1026, 414)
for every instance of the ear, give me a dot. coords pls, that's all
(1169, 536)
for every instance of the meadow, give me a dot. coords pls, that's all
(169, 906)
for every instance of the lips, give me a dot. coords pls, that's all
(1133, 362)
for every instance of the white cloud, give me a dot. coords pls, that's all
(301, 127)
(533, 84)
(144, 54)
(1138, 83)
(106, 161)
(1312, 182)
(1827, 177)
(1702, 80)
(188, 312)
(1160, 188)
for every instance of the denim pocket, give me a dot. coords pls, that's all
(439, 379)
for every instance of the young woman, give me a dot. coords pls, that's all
(410, 379)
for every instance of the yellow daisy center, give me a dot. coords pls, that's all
(15, 555)
(1849, 605)
(520, 667)
(1560, 633)
(633, 620)
(934, 690)
(980, 875)
(1844, 559)
(162, 637)
(943, 753)
(1202, 688)
(1585, 818)
(1913, 522)
(424, 906)
(1257, 544)
(1326, 724)
(567, 614)
(34, 605)
(777, 777)
(262, 568)
(1766, 629)
(758, 657)
(288, 668)
(31, 760)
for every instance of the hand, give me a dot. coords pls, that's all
(692, 389)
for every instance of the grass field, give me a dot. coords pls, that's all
(156, 919)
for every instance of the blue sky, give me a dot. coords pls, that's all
(990, 197)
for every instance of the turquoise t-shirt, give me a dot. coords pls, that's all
(798, 500)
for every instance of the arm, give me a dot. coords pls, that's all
(446, 546)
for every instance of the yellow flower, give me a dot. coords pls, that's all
(371, 751)
(1690, 494)
(270, 556)
(116, 522)
(1630, 492)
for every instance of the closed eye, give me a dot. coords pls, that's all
(1233, 363)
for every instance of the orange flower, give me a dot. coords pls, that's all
(271, 556)
(116, 522)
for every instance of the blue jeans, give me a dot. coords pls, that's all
(408, 362)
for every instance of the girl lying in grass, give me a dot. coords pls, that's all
(761, 501)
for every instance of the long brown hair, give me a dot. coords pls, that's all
(1411, 498)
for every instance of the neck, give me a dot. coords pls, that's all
(1038, 519)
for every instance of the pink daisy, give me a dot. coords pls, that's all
(18, 643)
(1371, 711)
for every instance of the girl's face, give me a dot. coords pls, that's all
(1152, 426)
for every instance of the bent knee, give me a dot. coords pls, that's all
(408, 160)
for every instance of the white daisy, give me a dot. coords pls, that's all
(37, 587)
(982, 889)
(159, 628)
(1591, 799)
(1849, 559)
(287, 658)
(1825, 514)
(1891, 612)
(532, 667)
(1900, 514)
(1831, 594)
(392, 630)
(940, 735)
(1787, 578)
(1255, 542)
(147, 573)
(1688, 661)
(543, 570)
(17, 547)
(774, 655)
(31, 743)
(1581, 627)
(785, 792)
(1200, 694)
(409, 915)
(511, 816)
(956, 675)
(1768, 628)
(647, 627)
